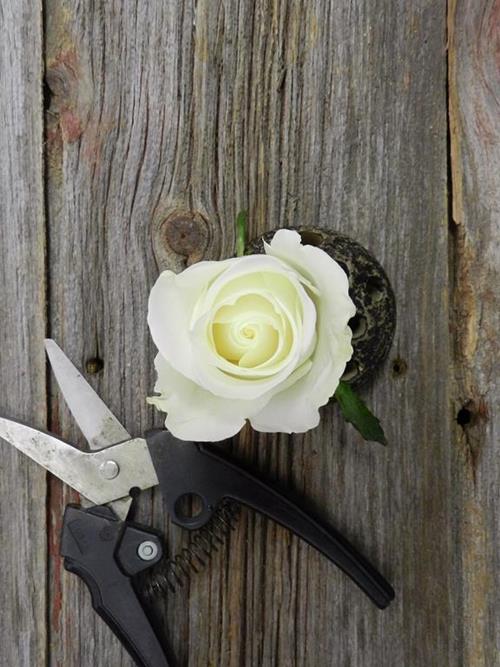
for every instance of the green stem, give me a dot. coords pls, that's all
(241, 233)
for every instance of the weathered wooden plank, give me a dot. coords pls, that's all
(111, 145)
(23, 635)
(313, 111)
(303, 113)
(474, 76)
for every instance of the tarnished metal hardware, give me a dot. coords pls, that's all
(147, 550)
(109, 469)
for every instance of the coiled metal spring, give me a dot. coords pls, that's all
(169, 575)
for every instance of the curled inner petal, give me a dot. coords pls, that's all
(270, 328)
(249, 332)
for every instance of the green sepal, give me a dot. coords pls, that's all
(356, 412)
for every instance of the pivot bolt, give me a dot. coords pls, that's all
(147, 550)
(109, 469)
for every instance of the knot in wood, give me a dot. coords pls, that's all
(181, 239)
(185, 233)
(94, 365)
(68, 93)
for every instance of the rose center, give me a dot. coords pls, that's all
(248, 332)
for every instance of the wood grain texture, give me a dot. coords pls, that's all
(304, 113)
(474, 77)
(22, 326)
(164, 120)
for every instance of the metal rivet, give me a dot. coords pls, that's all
(109, 469)
(147, 550)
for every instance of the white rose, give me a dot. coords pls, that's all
(261, 337)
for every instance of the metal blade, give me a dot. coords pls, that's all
(96, 421)
(102, 477)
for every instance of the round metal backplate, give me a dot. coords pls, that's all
(375, 320)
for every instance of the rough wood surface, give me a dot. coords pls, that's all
(163, 120)
(23, 558)
(474, 78)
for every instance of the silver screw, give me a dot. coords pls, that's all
(109, 469)
(147, 550)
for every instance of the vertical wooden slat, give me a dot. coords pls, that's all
(335, 115)
(22, 329)
(320, 113)
(303, 113)
(113, 145)
(474, 93)
(314, 113)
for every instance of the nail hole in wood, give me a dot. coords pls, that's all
(464, 417)
(399, 367)
(94, 365)
(180, 239)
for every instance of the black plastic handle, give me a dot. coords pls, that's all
(186, 468)
(104, 552)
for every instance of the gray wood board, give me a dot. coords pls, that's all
(474, 76)
(171, 116)
(23, 629)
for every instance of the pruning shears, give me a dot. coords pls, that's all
(105, 549)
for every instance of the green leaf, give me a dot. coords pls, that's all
(356, 412)
(241, 233)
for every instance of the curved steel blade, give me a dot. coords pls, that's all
(103, 476)
(96, 421)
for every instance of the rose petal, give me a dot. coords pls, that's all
(321, 270)
(231, 324)
(170, 309)
(310, 296)
(296, 409)
(262, 274)
(194, 413)
(254, 274)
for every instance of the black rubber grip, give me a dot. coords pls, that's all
(91, 543)
(185, 468)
